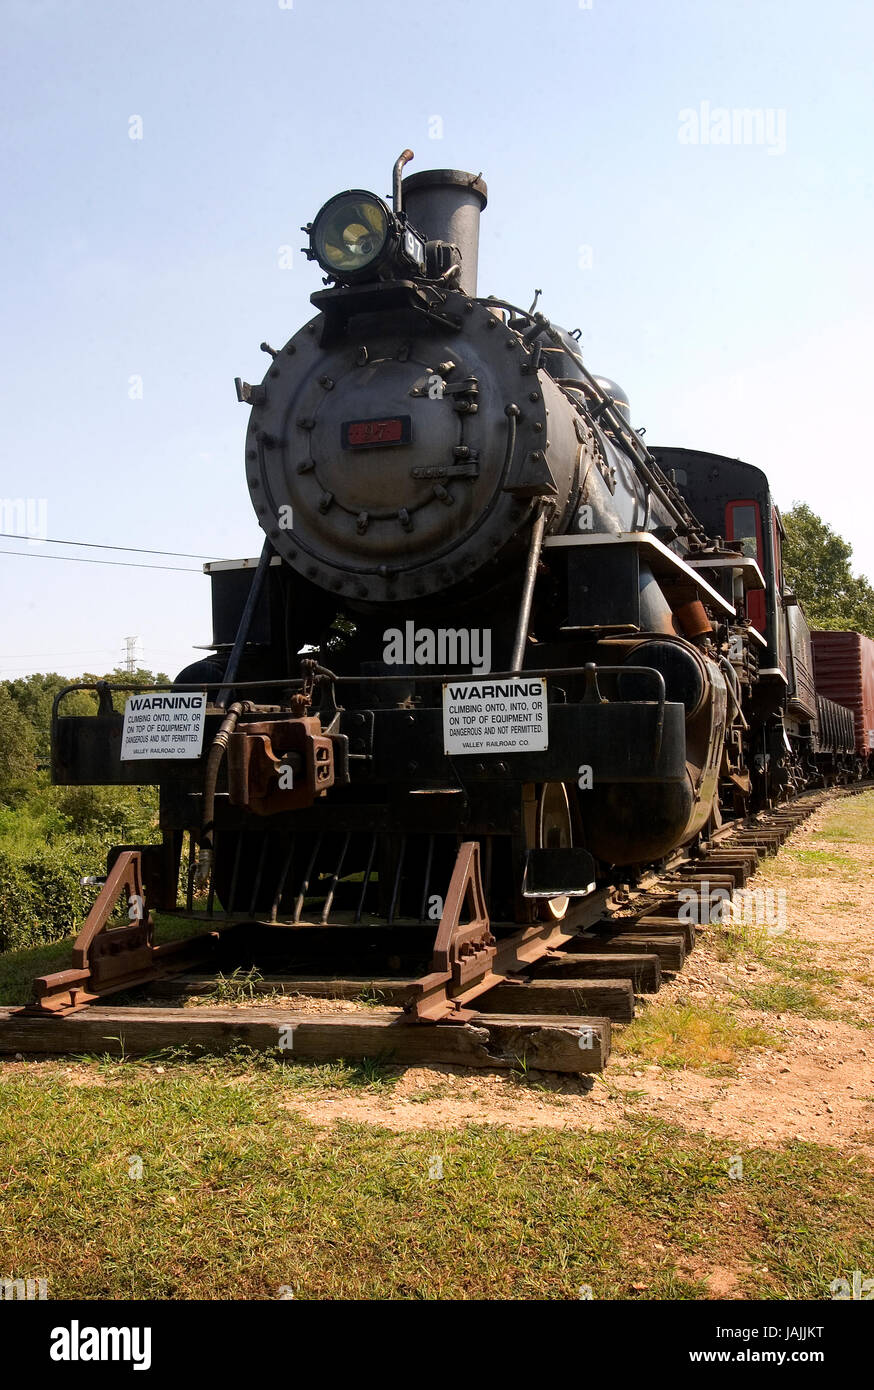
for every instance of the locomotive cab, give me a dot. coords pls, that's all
(788, 722)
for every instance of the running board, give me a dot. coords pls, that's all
(558, 873)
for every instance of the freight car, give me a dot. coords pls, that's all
(496, 657)
(843, 664)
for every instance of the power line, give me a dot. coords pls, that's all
(87, 651)
(16, 657)
(96, 545)
(5, 670)
(76, 560)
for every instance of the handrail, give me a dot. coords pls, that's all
(323, 674)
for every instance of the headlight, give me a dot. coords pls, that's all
(351, 234)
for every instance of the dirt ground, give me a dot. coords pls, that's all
(815, 1083)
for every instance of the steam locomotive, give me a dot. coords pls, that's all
(485, 614)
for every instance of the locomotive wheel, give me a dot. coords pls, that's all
(554, 831)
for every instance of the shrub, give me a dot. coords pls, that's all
(40, 896)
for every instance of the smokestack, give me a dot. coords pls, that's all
(445, 205)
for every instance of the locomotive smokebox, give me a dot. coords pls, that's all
(445, 205)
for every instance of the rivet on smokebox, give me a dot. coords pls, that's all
(327, 382)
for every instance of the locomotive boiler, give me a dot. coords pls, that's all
(423, 459)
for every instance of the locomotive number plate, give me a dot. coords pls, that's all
(376, 434)
(487, 716)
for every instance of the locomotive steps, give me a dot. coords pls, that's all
(555, 1015)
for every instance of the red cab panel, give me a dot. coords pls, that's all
(743, 524)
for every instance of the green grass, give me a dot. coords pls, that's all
(809, 974)
(240, 1060)
(737, 940)
(821, 856)
(788, 996)
(236, 987)
(851, 821)
(690, 1035)
(372, 998)
(239, 1197)
(18, 968)
(790, 865)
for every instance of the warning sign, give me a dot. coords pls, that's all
(495, 716)
(163, 725)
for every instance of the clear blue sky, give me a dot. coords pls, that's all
(729, 290)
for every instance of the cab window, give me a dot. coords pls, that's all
(743, 526)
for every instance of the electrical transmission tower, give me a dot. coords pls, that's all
(130, 655)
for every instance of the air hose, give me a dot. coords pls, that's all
(213, 763)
